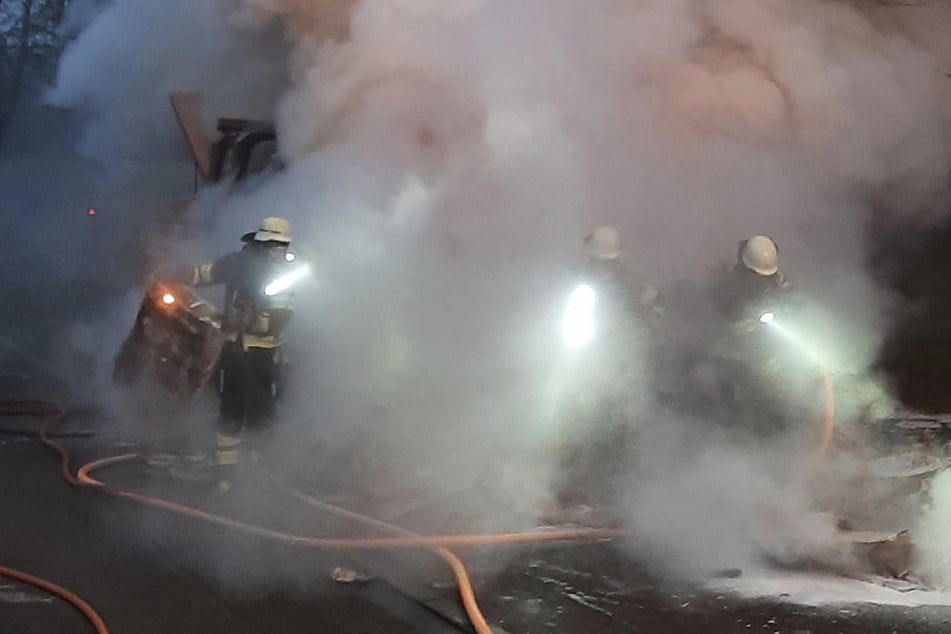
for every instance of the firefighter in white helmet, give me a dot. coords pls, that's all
(604, 267)
(740, 295)
(717, 340)
(752, 281)
(256, 314)
(603, 244)
(594, 434)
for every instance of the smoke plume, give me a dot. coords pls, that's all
(444, 160)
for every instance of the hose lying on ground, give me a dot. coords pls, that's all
(463, 582)
(84, 608)
(402, 539)
(53, 413)
(405, 539)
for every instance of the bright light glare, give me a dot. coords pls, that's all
(285, 281)
(767, 317)
(290, 257)
(168, 298)
(578, 323)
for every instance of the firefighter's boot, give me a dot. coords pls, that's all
(228, 451)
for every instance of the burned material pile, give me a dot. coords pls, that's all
(176, 340)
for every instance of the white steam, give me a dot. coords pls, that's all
(703, 505)
(932, 538)
(132, 54)
(446, 158)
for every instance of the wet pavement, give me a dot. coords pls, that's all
(150, 573)
(147, 571)
(548, 591)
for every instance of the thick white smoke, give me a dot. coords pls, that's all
(132, 54)
(446, 158)
(932, 533)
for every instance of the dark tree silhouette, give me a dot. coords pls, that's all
(30, 44)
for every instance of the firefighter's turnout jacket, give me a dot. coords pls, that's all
(737, 293)
(627, 294)
(252, 318)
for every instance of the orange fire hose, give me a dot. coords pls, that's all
(53, 413)
(84, 608)
(436, 543)
(406, 539)
(466, 591)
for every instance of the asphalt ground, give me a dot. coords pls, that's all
(148, 571)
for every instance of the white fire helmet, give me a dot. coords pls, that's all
(760, 255)
(272, 230)
(604, 243)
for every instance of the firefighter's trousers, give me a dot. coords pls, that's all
(248, 387)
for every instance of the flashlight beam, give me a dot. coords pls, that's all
(287, 280)
(578, 323)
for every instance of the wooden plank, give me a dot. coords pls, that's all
(874, 537)
(886, 554)
(187, 108)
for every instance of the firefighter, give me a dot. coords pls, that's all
(750, 282)
(603, 267)
(740, 361)
(607, 388)
(254, 322)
